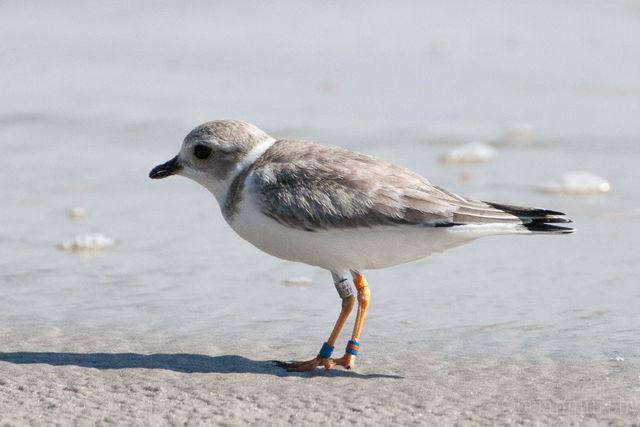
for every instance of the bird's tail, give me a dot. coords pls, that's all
(537, 220)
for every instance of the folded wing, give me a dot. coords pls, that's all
(317, 187)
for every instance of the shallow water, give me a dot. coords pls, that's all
(95, 97)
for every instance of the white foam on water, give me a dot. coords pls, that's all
(87, 242)
(473, 152)
(298, 281)
(578, 183)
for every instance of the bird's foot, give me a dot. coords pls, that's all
(347, 361)
(305, 366)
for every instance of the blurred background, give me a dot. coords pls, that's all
(94, 94)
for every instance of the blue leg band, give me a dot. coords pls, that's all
(352, 347)
(326, 351)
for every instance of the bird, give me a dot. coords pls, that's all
(337, 209)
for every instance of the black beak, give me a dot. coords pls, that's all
(164, 170)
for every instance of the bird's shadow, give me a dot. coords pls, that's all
(185, 363)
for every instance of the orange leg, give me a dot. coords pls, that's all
(347, 304)
(364, 295)
(352, 348)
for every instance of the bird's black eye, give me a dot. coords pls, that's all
(202, 151)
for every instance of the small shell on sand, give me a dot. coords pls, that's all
(76, 212)
(580, 183)
(87, 242)
(473, 152)
(298, 281)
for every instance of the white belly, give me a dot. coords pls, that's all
(344, 249)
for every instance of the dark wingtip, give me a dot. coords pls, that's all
(543, 227)
(550, 212)
(556, 220)
(538, 220)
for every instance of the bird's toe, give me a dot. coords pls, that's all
(306, 366)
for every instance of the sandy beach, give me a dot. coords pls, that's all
(214, 384)
(175, 320)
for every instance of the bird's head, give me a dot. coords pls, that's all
(213, 153)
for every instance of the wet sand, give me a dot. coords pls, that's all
(232, 383)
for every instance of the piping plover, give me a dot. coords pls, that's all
(337, 209)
